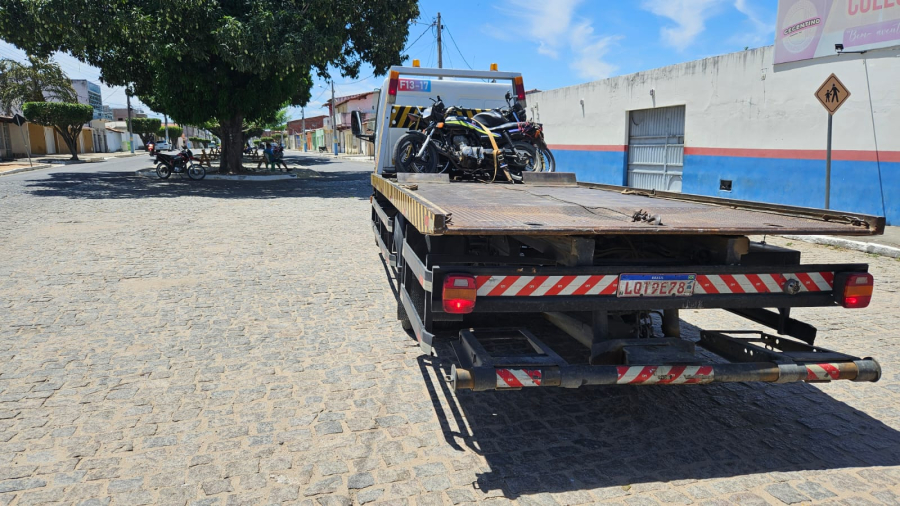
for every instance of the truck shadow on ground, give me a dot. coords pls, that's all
(558, 440)
(126, 185)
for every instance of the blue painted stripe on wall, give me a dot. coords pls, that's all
(854, 185)
(606, 167)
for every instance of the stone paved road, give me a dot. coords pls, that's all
(172, 342)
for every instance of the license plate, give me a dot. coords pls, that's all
(656, 285)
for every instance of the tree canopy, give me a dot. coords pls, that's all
(146, 128)
(220, 60)
(32, 82)
(66, 118)
(174, 132)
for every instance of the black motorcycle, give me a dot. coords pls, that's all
(513, 121)
(467, 147)
(180, 163)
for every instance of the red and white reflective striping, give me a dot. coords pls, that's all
(518, 378)
(664, 374)
(822, 372)
(762, 283)
(543, 286)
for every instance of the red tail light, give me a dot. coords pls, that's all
(519, 86)
(394, 82)
(853, 289)
(459, 293)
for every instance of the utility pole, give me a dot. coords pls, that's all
(303, 126)
(334, 139)
(167, 126)
(439, 47)
(130, 134)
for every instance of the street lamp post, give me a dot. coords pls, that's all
(334, 139)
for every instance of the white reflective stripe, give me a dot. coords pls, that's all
(698, 288)
(819, 280)
(719, 283)
(548, 283)
(601, 285)
(490, 285)
(574, 285)
(517, 285)
(745, 283)
(818, 371)
(770, 282)
(632, 373)
(523, 377)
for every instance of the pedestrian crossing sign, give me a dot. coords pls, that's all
(832, 94)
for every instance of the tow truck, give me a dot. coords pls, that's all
(598, 261)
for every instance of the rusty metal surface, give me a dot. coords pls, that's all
(493, 209)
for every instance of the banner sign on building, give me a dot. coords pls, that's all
(810, 28)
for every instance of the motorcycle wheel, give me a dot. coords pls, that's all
(163, 171)
(405, 150)
(527, 160)
(196, 172)
(547, 161)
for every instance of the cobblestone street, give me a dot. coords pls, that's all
(227, 343)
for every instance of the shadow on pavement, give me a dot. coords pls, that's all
(558, 440)
(126, 185)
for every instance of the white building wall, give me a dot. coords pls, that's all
(736, 100)
(747, 123)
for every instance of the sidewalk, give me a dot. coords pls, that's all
(48, 161)
(886, 245)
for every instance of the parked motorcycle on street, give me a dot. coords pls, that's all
(450, 136)
(180, 163)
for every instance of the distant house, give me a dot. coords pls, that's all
(365, 103)
(313, 137)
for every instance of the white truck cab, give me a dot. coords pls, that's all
(407, 88)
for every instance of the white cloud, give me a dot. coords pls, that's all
(762, 24)
(588, 52)
(689, 16)
(557, 31)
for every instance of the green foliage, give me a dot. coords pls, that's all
(235, 60)
(199, 141)
(66, 118)
(20, 83)
(174, 132)
(266, 139)
(146, 128)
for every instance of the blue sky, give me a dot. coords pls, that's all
(554, 43)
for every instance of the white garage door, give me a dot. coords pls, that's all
(656, 148)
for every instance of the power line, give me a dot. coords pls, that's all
(419, 37)
(457, 47)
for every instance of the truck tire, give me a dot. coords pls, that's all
(405, 150)
(401, 315)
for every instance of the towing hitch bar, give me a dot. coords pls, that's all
(780, 360)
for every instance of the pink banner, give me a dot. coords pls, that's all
(810, 28)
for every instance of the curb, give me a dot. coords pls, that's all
(151, 173)
(26, 169)
(865, 247)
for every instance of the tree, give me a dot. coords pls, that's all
(147, 128)
(20, 83)
(174, 132)
(243, 60)
(66, 118)
(198, 141)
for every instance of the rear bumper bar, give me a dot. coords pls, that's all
(574, 376)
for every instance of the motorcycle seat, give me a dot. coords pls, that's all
(490, 118)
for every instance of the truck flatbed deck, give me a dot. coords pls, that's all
(557, 205)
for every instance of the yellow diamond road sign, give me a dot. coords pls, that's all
(832, 94)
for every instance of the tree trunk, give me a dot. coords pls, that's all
(71, 141)
(232, 145)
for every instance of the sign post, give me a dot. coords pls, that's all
(832, 95)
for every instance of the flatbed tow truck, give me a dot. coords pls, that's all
(596, 260)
